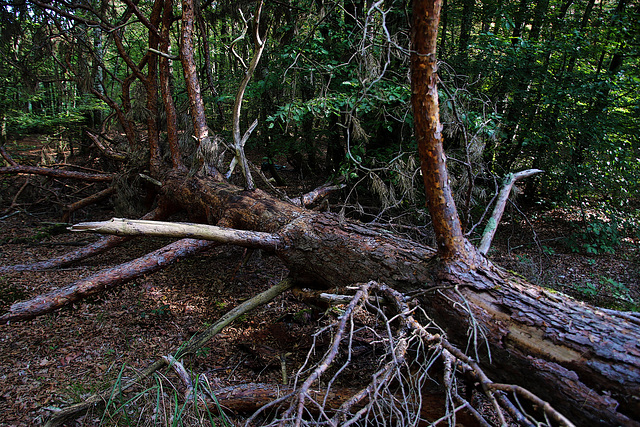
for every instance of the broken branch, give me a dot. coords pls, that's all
(130, 227)
(492, 224)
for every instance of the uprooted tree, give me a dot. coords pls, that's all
(525, 346)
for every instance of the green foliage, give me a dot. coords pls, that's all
(586, 290)
(568, 93)
(157, 401)
(597, 237)
(603, 235)
(607, 292)
(163, 310)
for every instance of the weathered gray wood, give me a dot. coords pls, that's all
(139, 227)
(498, 210)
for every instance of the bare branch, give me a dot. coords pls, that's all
(492, 225)
(132, 227)
(57, 173)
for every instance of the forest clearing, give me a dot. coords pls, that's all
(296, 213)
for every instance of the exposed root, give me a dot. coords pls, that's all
(415, 355)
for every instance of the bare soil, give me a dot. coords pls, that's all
(64, 357)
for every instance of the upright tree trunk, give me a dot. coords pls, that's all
(166, 89)
(428, 131)
(200, 128)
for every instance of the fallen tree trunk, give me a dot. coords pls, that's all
(248, 398)
(583, 359)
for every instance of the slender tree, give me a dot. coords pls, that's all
(428, 131)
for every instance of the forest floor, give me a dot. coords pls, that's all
(64, 357)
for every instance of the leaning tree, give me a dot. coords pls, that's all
(524, 346)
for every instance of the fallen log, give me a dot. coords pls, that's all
(103, 280)
(248, 398)
(56, 173)
(583, 359)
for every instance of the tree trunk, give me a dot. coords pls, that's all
(428, 131)
(583, 359)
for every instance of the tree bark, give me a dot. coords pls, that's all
(583, 359)
(428, 131)
(200, 128)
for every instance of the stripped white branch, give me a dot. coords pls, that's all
(496, 216)
(130, 227)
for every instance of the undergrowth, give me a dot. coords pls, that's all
(160, 400)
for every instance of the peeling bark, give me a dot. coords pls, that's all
(87, 201)
(428, 131)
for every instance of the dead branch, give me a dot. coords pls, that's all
(14, 200)
(571, 352)
(104, 279)
(315, 196)
(128, 227)
(238, 142)
(250, 397)
(199, 340)
(492, 224)
(303, 392)
(56, 173)
(102, 245)
(94, 198)
(5, 155)
(107, 151)
(469, 366)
